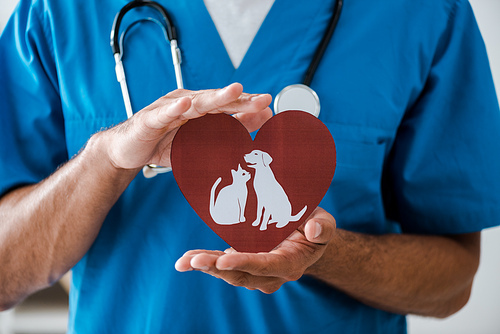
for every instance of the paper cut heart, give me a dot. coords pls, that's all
(254, 194)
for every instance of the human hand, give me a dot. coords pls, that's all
(267, 272)
(146, 138)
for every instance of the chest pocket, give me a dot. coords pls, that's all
(355, 197)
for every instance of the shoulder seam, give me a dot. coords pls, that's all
(46, 33)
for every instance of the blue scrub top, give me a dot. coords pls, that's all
(405, 90)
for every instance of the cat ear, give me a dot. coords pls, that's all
(233, 172)
(239, 168)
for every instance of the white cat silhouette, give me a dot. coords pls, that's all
(229, 207)
(273, 205)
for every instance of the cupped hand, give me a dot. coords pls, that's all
(147, 136)
(267, 272)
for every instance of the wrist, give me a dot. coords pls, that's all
(97, 152)
(332, 259)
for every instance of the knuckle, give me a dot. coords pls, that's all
(176, 93)
(195, 105)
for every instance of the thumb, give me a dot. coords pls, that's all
(320, 227)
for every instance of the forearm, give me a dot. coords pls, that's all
(426, 275)
(47, 227)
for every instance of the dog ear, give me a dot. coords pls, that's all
(266, 159)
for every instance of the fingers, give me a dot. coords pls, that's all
(218, 263)
(213, 100)
(146, 138)
(254, 121)
(207, 262)
(181, 105)
(251, 282)
(261, 264)
(204, 260)
(319, 227)
(248, 103)
(230, 99)
(267, 271)
(173, 111)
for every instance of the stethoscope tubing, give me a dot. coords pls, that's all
(116, 46)
(320, 51)
(171, 34)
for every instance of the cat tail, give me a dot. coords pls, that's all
(298, 215)
(212, 196)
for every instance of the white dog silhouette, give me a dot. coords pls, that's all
(273, 205)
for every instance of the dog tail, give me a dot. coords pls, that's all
(298, 215)
(212, 195)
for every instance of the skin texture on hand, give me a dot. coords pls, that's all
(400, 273)
(267, 272)
(146, 137)
(49, 226)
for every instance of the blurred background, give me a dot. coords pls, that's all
(47, 310)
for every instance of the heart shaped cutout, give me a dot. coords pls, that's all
(254, 193)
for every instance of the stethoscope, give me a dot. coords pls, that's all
(296, 96)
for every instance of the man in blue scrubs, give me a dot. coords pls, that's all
(405, 90)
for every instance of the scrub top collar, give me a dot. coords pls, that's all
(294, 34)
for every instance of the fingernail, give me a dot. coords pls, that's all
(179, 269)
(200, 268)
(317, 230)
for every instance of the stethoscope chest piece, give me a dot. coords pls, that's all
(297, 97)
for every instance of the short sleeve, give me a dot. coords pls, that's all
(31, 123)
(443, 174)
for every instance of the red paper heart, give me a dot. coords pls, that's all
(205, 150)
